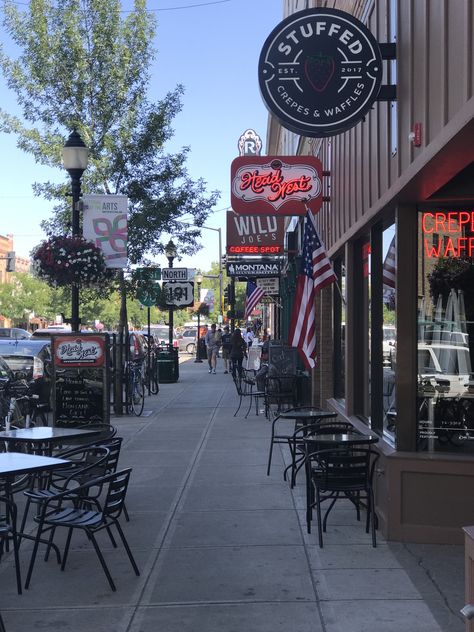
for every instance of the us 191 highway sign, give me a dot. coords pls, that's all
(179, 293)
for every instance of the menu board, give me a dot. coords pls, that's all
(281, 359)
(80, 382)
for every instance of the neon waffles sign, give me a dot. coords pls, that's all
(450, 226)
(271, 185)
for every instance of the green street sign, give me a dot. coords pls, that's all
(148, 274)
(149, 296)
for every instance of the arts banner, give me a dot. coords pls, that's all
(105, 223)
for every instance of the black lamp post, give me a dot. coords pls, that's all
(170, 252)
(75, 158)
(198, 278)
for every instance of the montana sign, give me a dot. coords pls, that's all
(276, 185)
(320, 71)
(255, 235)
(253, 269)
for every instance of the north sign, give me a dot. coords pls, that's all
(320, 71)
(174, 274)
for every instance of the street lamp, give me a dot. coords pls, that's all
(75, 158)
(198, 278)
(170, 252)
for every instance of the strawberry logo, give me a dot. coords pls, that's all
(319, 70)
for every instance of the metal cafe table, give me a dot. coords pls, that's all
(301, 417)
(14, 464)
(41, 439)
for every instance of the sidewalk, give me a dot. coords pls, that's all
(223, 548)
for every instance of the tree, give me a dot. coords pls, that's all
(85, 65)
(25, 294)
(82, 65)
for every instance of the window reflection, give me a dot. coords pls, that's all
(389, 337)
(445, 401)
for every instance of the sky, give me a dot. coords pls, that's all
(212, 48)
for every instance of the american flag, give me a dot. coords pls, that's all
(316, 272)
(253, 295)
(390, 266)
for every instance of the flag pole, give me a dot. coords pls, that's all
(336, 282)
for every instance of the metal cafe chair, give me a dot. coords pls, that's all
(8, 530)
(298, 447)
(340, 473)
(246, 386)
(64, 510)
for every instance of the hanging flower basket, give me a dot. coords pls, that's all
(62, 261)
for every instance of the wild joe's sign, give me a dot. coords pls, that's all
(273, 185)
(320, 70)
(254, 234)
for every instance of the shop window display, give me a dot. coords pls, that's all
(445, 400)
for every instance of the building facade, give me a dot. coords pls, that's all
(396, 334)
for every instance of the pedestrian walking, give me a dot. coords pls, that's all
(208, 341)
(226, 348)
(249, 336)
(213, 342)
(238, 352)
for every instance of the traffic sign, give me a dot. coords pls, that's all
(148, 296)
(149, 274)
(179, 294)
(174, 274)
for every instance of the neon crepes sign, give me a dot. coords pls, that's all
(457, 230)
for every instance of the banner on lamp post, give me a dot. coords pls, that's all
(207, 296)
(105, 223)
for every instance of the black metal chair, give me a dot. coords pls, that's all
(246, 386)
(280, 391)
(286, 436)
(8, 531)
(77, 515)
(340, 473)
(310, 432)
(86, 463)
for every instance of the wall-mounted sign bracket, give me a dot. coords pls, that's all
(388, 92)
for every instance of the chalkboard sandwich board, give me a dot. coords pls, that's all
(80, 379)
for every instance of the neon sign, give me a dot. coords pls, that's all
(451, 225)
(272, 185)
(254, 250)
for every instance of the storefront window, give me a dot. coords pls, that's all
(445, 402)
(340, 329)
(389, 335)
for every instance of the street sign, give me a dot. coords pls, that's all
(269, 285)
(262, 268)
(174, 274)
(148, 274)
(148, 296)
(179, 294)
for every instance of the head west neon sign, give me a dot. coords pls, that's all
(451, 225)
(272, 185)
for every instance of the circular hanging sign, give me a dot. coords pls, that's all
(320, 71)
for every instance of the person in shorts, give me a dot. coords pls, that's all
(226, 347)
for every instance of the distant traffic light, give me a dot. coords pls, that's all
(11, 261)
(226, 295)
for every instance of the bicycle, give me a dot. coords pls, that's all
(135, 388)
(151, 373)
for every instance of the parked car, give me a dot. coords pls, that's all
(187, 341)
(33, 358)
(14, 332)
(48, 331)
(161, 334)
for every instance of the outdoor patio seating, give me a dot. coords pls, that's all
(64, 510)
(8, 531)
(246, 386)
(340, 473)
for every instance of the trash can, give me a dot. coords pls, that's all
(168, 365)
(202, 349)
